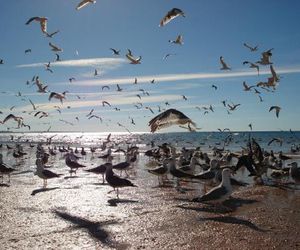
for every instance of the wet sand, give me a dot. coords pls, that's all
(78, 213)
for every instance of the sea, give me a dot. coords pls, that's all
(233, 141)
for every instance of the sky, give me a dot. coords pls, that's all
(210, 29)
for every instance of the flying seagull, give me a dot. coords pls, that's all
(55, 48)
(52, 34)
(265, 59)
(224, 65)
(115, 52)
(178, 40)
(132, 59)
(168, 118)
(277, 110)
(173, 13)
(252, 65)
(41, 20)
(252, 49)
(59, 96)
(83, 3)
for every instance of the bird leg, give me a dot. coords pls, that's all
(8, 178)
(112, 191)
(103, 179)
(117, 193)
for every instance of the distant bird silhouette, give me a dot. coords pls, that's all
(41, 20)
(252, 49)
(277, 110)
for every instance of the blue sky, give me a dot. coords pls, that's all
(210, 29)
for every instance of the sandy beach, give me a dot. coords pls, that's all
(78, 213)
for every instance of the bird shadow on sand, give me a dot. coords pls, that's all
(4, 185)
(235, 221)
(227, 206)
(71, 177)
(115, 202)
(40, 190)
(93, 228)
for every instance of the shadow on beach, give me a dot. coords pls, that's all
(94, 229)
(114, 202)
(228, 206)
(234, 220)
(40, 190)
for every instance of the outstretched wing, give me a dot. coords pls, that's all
(170, 16)
(31, 19)
(168, 118)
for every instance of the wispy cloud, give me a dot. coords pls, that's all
(182, 77)
(113, 100)
(90, 62)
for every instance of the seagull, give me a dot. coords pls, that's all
(101, 169)
(55, 48)
(71, 162)
(274, 75)
(41, 20)
(105, 102)
(250, 126)
(220, 193)
(83, 3)
(105, 86)
(132, 59)
(277, 110)
(52, 34)
(168, 118)
(5, 169)
(115, 52)
(184, 97)
(33, 106)
(252, 49)
(95, 72)
(119, 88)
(71, 79)
(278, 140)
(57, 58)
(246, 87)
(167, 55)
(44, 173)
(224, 65)
(252, 65)
(214, 86)
(1, 61)
(116, 182)
(18, 119)
(27, 51)
(178, 40)
(59, 96)
(233, 107)
(295, 172)
(265, 59)
(173, 13)
(135, 81)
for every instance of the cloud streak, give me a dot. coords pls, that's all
(181, 77)
(95, 62)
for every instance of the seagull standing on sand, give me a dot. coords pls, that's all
(44, 173)
(4, 169)
(173, 13)
(220, 193)
(295, 172)
(116, 182)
